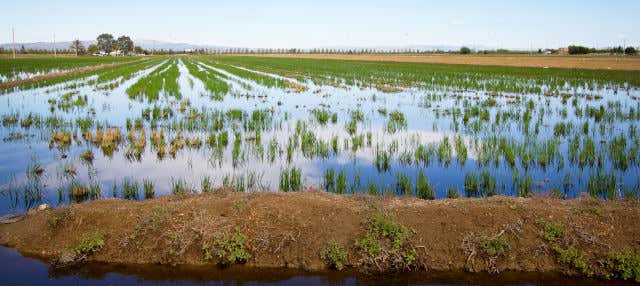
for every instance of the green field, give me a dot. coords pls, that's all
(11, 68)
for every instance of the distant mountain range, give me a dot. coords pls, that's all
(145, 44)
(162, 45)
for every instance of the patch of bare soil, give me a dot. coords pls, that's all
(294, 230)
(629, 63)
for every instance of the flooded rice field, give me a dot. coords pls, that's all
(173, 125)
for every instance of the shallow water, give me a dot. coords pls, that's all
(19, 270)
(289, 136)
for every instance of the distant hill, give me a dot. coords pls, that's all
(145, 44)
(163, 45)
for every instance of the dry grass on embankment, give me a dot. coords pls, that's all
(295, 230)
(628, 63)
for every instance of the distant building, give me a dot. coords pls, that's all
(563, 51)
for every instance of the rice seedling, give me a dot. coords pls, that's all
(341, 182)
(602, 185)
(461, 150)
(148, 187)
(78, 192)
(471, 186)
(206, 185)
(382, 160)
(525, 187)
(352, 127)
(453, 193)
(403, 184)
(180, 187)
(445, 151)
(291, 180)
(129, 189)
(372, 189)
(423, 155)
(95, 191)
(396, 122)
(329, 184)
(321, 116)
(488, 184)
(424, 190)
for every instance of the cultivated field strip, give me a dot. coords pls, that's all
(255, 77)
(164, 78)
(496, 79)
(125, 72)
(212, 81)
(15, 69)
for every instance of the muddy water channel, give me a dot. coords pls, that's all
(20, 270)
(194, 124)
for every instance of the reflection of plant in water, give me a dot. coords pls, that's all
(249, 181)
(31, 193)
(33, 190)
(11, 191)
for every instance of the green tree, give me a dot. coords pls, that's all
(125, 45)
(77, 47)
(578, 50)
(465, 50)
(92, 49)
(617, 50)
(139, 50)
(105, 43)
(630, 51)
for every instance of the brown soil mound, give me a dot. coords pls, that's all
(293, 229)
(629, 63)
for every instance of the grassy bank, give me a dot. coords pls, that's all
(314, 231)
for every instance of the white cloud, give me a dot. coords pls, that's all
(457, 22)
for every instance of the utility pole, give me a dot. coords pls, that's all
(55, 54)
(13, 40)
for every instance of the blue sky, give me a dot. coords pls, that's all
(304, 24)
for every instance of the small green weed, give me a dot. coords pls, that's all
(335, 255)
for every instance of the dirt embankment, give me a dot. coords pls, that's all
(628, 63)
(53, 75)
(296, 230)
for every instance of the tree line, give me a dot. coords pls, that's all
(581, 50)
(106, 44)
